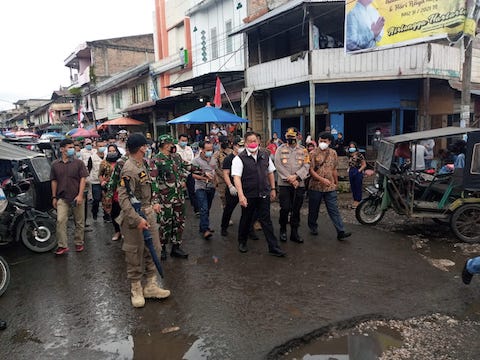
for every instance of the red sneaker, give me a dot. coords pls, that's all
(61, 251)
(79, 248)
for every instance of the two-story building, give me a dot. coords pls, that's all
(297, 74)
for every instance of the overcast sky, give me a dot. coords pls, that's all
(37, 36)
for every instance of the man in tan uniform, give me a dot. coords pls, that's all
(219, 157)
(292, 163)
(136, 180)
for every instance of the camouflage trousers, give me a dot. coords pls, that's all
(171, 220)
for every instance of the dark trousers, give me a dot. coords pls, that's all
(259, 206)
(97, 198)
(191, 192)
(291, 200)
(356, 181)
(115, 212)
(230, 204)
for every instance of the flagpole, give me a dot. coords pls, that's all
(231, 105)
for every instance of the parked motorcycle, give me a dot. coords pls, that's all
(20, 221)
(4, 275)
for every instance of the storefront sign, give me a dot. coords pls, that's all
(370, 25)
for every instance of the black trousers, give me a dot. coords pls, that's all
(191, 192)
(230, 204)
(291, 200)
(260, 207)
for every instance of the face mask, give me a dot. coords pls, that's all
(291, 141)
(79, 155)
(112, 157)
(240, 149)
(172, 149)
(352, 150)
(70, 152)
(148, 153)
(182, 144)
(252, 147)
(102, 149)
(88, 147)
(377, 133)
(323, 146)
(208, 154)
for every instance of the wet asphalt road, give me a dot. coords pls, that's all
(224, 305)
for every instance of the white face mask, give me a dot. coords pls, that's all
(240, 149)
(323, 146)
(252, 149)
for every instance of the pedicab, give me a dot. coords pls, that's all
(452, 198)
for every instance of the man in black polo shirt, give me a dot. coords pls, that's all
(252, 172)
(68, 178)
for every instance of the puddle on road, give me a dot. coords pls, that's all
(368, 345)
(160, 345)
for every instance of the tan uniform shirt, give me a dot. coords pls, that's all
(292, 160)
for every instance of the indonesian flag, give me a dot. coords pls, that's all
(80, 116)
(219, 90)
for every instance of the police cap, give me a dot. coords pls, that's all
(291, 132)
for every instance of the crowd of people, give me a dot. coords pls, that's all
(105, 176)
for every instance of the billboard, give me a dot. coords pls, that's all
(370, 25)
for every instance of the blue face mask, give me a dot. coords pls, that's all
(352, 150)
(208, 153)
(88, 147)
(182, 144)
(70, 152)
(79, 154)
(101, 149)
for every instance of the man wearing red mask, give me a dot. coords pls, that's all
(252, 172)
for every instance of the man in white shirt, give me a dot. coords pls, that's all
(418, 157)
(364, 26)
(186, 153)
(96, 158)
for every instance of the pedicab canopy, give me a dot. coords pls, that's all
(12, 152)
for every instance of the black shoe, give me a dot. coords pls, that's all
(178, 252)
(295, 237)
(252, 235)
(3, 325)
(466, 276)
(242, 247)
(163, 254)
(343, 235)
(313, 231)
(277, 252)
(94, 217)
(224, 232)
(283, 235)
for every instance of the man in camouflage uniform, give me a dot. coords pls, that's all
(219, 157)
(292, 163)
(171, 175)
(136, 180)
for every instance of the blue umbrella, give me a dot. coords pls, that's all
(208, 114)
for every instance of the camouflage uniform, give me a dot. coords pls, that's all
(220, 182)
(171, 174)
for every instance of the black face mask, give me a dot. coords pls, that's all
(291, 141)
(172, 149)
(112, 157)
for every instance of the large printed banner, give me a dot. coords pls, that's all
(370, 25)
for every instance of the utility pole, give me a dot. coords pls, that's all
(471, 20)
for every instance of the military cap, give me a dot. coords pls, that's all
(164, 139)
(135, 141)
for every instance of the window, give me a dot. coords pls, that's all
(214, 40)
(116, 100)
(229, 39)
(139, 93)
(475, 167)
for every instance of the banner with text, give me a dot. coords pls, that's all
(370, 25)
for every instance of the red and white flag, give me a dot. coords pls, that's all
(219, 90)
(80, 116)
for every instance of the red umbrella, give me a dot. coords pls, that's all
(122, 121)
(81, 132)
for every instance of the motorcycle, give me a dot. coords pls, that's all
(20, 221)
(4, 275)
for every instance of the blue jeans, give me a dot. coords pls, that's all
(356, 182)
(314, 201)
(473, 265)
(204, 199)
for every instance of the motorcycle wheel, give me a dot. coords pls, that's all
(465, 223)
(369, 211)
(41, 239)
(4, 275)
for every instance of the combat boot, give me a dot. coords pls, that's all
(295, 237)
(137, 298)
(153, 291)
(177, 251)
